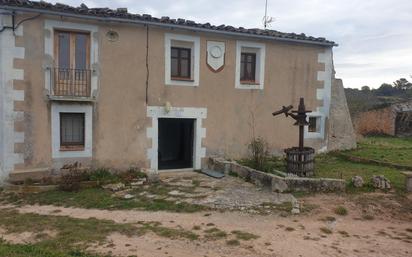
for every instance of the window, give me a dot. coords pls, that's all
(72, 74)
(180, 63)
(72, 50)
(316, 125)
(248, 67)
(71, 130)
(182, 53)
(313, 124)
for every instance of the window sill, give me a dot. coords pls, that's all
(67, 148)
(249, 82)
(182, 79)
(248, 85)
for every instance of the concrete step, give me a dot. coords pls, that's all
(35, 175)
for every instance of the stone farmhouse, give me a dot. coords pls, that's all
(108, 88)
(393, 120)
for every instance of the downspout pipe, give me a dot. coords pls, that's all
(169, 26)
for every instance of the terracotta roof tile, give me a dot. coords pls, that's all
(122, 13)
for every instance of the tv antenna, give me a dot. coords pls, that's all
(267, 20)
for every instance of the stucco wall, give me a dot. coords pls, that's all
(119, 114)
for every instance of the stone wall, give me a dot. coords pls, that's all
(380, 121)
(276, 183)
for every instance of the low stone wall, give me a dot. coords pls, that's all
(276, 183)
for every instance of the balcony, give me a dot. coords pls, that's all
(70, 84)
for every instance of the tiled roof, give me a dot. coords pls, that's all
(122, 13)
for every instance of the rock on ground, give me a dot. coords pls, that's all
(357, 181)
(381, 182)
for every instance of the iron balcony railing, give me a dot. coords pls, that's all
(71, 82)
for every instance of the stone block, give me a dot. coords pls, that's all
(260, 178)
(240, 170)
(408, 180)
(278, 184)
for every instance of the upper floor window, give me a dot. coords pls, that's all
(180, 63)
(72, 76)
(182, 55)
(250, 65)
(72, 50)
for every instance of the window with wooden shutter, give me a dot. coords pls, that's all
(72, 59)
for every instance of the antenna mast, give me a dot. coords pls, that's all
(265, 20)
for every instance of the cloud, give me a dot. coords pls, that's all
(374, 37)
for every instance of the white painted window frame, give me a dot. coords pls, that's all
(321, 121)
(50, 26)
(87, 109)
(260, 50)
(195, 59)
(156, 112)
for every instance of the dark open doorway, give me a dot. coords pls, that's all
(403, 124)
(175, 143)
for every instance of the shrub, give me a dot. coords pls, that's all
(258, 148)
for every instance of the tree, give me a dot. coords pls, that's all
(402, 84)
(385, 89)
(366, 89)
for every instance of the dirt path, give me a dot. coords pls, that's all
(297, 235)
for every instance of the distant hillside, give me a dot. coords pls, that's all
(367, 99)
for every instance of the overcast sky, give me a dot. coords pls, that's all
(374, 36)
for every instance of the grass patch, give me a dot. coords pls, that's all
(171, 233)
(387, 149)
(340, 210)
(72, 234)
(98, 198)
(233, 242)
(27, 250)
(242, 235)
(325, 230)
(215, 234)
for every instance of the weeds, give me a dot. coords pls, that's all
(233, 242)
(342, 211)
(215, 234)
(258, 148)
(326, 230)
(241, 235)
